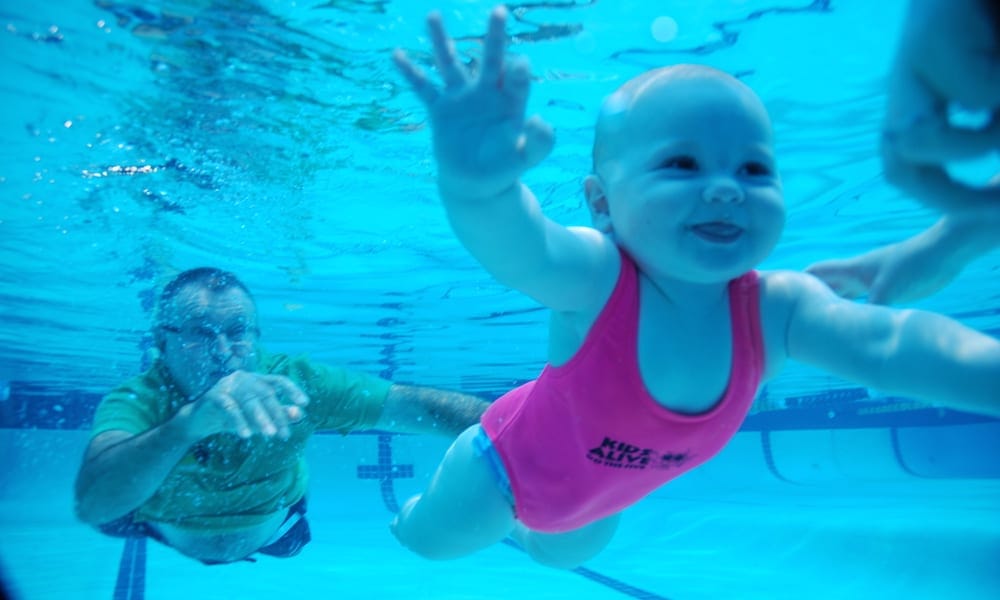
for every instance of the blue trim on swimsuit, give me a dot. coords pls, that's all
(482, 445)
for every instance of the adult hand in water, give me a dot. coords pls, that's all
(246, 404)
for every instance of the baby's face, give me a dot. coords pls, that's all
(690, 179)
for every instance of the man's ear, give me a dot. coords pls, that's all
(597, 202)
(158, 339)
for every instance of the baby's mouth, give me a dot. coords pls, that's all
(718, 232)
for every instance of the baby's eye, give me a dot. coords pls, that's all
(686, 163)
(755, 169)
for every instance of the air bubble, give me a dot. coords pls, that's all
(664, 29)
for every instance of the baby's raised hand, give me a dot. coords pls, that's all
(482, 141)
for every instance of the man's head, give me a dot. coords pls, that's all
(206, 328)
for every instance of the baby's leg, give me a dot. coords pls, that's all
(569, 549)
(463, 509)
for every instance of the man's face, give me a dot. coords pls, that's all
(207, 335)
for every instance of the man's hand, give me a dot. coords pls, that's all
(482, 141)
(914, 268)
(246, 404)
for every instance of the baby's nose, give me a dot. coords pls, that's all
(725, 191)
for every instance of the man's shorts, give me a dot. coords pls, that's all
(291, 537)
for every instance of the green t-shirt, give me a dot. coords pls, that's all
(225, 483)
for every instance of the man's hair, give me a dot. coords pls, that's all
(207, 278)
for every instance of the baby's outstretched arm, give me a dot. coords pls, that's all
(483, 143)
(917, 354)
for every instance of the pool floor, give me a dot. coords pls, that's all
(729, 530)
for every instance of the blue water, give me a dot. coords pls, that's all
(275, 140)
(282, 145)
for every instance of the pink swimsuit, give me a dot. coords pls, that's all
(586, 439)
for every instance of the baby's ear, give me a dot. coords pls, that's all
(597, 202)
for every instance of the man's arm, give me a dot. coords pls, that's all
(120, 471)
(918, 266)
(409, 409)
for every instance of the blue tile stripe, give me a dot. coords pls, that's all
(610, 582)
(131, 584)
(386, 472)
(618, 586)
(897, 452)
(765, 446)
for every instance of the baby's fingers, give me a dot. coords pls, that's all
(496, 44)
(448, 67)
(416, 77)
(536, 141)
(516, 82)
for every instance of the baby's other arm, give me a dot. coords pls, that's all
(911, 353)
(483, 144)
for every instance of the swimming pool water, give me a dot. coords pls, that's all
(863, 513)
(274, 139)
